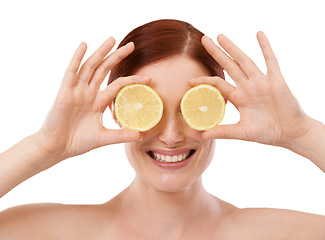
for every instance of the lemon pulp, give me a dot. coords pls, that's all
(138, 107)
(203, 107)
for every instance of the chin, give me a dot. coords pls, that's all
(172, 183)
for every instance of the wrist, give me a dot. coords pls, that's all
(309, 132)
(44, 157)
(311, 143)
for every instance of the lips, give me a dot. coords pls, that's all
(171, 156)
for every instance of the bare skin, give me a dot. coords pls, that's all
(160, 205)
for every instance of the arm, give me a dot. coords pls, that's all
(21, 162)
(74, 123)
(269, 112)
(312, 144)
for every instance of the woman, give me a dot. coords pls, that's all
(163, 201)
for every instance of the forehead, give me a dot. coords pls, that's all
(170, 76)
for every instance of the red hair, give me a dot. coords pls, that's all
(162, 39)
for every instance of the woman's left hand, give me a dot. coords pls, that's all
(269, 113)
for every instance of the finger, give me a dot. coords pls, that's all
(88, 68)
(71, 72)
(245, 63)
(112, 136)
(269, 56)
(231, 131)
(110, 92)
(228, 64)
(225, 88)
(110, 62)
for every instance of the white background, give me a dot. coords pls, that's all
(38, 39)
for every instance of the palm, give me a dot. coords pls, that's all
(264, 114)
(79, 125)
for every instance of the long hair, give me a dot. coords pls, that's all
(163, 39)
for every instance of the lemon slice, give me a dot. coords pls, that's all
(203, 107)
(138, 107)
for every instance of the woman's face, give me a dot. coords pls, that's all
(171, 139)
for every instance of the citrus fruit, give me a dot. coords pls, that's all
(138, 107)
(203, 107)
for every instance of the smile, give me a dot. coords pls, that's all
(164, 158)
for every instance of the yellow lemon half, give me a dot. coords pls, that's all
(203, 107)
(138, 107)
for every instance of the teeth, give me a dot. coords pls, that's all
(169, 159)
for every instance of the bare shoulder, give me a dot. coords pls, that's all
(264, 223)
(50, 221)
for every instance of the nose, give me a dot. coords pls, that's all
(171, 130)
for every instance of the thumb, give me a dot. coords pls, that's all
(230, 131)
(112, 136)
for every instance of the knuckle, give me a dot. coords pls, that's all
(71, 70)
(119, 83)
(102, 70)
(273, 60)
(89, 64)
(119, 57)
(227, 64)
(243, 61)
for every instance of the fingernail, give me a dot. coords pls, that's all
(207, 37)
(192, 82)
(144, 78)
(129, 43)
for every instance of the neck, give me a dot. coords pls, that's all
(180, 210)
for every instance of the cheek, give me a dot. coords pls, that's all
(211, 150)
(131, 154)
(207, 153)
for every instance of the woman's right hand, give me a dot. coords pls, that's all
(74, 124)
